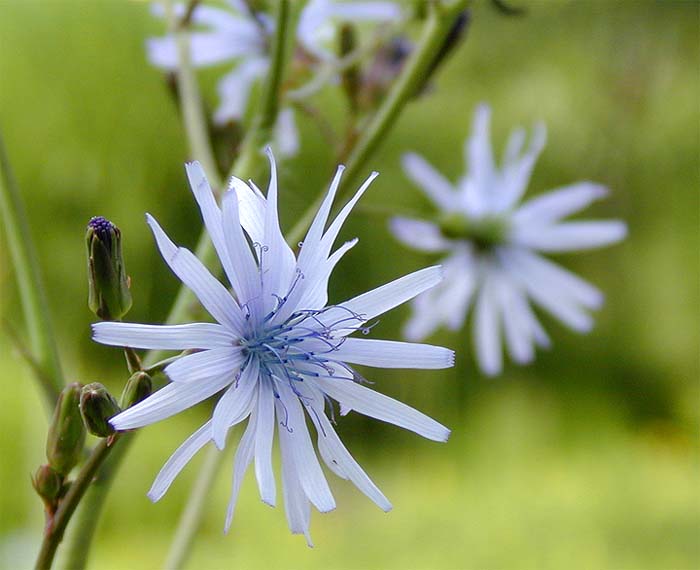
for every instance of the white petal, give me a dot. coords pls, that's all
(571, 236)
(163, 337)
(246, 280)
(296, 506)
(565, 282)
(205, 364)
(251, 209)
(278, 261)
(241, 461)
(366, 11)
(162, 52)
(379, 300)
(435, 185)
(264, 435)
(236, 403)
(516, 321)
(311, 477)
(480, 159)
(418, 234)
(211, 214)
(234, 89)
(178, 461)
(559, 203)
(286, 136)
(381, 407)
(167, 402)
(515, 176)
(337, 457)
(487, 338)
(210, 48)
(210, 292)
(560, 302)
(393, 354)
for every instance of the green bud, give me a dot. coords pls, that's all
(484, 233)
(97, 406)
(109, 296)
(48, 483)
(66, 432)
(137, 388)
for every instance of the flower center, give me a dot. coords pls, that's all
(485, 232)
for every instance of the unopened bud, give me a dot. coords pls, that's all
(97, 406)
(48, 483)
(66, 432)
(137, 388)
(454, 38)
(109, 296)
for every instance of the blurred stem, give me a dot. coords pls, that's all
(435, 30)
(191, 518)
(192, 109)
(44, 353)
(244, 167)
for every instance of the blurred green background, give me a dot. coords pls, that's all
(588, 458)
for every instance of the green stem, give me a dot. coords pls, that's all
(30, 285)
(435, 30)
(191, 518)
(54, 531)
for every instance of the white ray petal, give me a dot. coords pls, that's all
(241, 461)
(178, 461)
(571, 236)
(251, 209)
(418, 234)
(167, 402)
(479, 157)
(296, 506)
(393, 354)
(205, 364)
(236, 403)
(286, 133)
(516, 320)
(337, 457)
(163, 337)
(559, 203)
(435, 186)
(190, 270)
(309, 472)
(515, 175)
(235, 87)
(487, 337)
(381, 407)
(264, 436)
(366, 11)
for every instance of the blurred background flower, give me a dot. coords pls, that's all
(588, 458)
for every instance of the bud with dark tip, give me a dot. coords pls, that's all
(67, 432)
(97, 406)
(109, 296)
(137, 388)
(48, 483)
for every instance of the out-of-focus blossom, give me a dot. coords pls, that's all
(237, 35)
(494, 245)
(278, 351)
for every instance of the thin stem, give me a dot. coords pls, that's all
(435, 30)
(193, 115)
(29, 283)
(191, 518)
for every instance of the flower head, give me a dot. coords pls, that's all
(277, 351)
(241, 36)
(494, 244)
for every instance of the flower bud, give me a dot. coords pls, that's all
(137, 388)
(66, 432)
(48, 483)
(109, 296)
(97, 406)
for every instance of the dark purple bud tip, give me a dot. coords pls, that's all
(102, 227)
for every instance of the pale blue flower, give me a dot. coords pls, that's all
(277, 351)
(494, 243)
